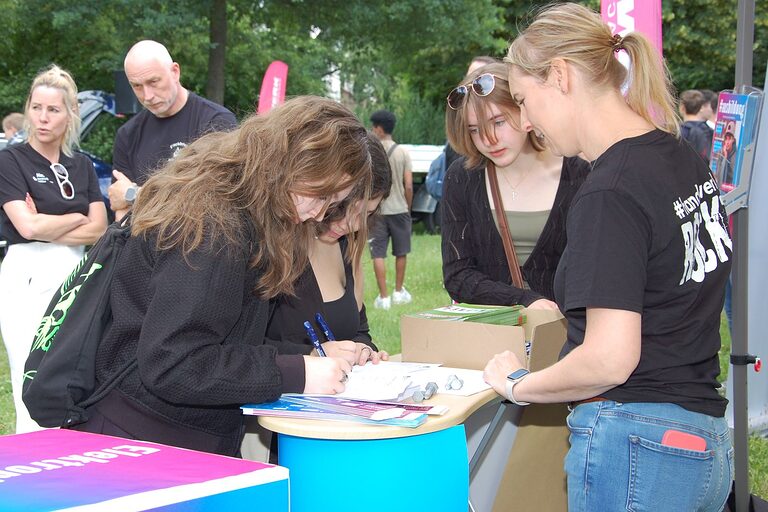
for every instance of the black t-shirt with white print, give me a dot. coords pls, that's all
(23, 170)
(647, 233)
(147, 142)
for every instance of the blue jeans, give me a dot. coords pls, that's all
(617, 462)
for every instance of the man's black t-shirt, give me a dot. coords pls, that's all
(146, 142)
(647, 233)
(23, 170)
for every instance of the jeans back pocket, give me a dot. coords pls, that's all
(666, 477)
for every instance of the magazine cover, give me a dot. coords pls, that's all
(734, 131)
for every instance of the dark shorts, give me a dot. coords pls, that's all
(397, 227)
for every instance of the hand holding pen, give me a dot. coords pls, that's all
(351, 351)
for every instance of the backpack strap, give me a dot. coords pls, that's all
(391, 149)
(103, 390)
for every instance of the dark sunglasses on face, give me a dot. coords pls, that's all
(62, 179)
(483, 85)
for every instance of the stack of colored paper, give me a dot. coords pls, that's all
(341, 409)
(498, 315)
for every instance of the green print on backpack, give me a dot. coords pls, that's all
(50, 324)
(60, 372)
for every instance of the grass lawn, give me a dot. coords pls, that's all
(424, 280)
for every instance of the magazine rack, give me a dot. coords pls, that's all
(734, 143)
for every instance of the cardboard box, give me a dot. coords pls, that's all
(533, 478)
(472, 345)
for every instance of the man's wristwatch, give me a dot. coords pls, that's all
(512, 380)
(130, 193)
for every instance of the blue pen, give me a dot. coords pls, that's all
(313, 337)
(324, 326)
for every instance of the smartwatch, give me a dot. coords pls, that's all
(130, 193)
(512, 380)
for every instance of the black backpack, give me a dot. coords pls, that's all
(59, 375)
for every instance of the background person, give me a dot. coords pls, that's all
(216, 234)
(173, 117)
(332, 285)
(12, 124)
(708, 112)
(51, 208)
(395, 219)
(640, 363)
(482, 123)
(695, 128)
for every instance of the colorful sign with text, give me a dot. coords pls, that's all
(69, 470)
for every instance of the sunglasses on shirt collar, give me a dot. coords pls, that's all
(483, 85)
(62, 179)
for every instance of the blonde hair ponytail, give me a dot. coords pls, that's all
(579, 36)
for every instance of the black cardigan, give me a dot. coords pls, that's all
(474, 264)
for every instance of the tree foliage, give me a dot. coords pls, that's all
(400, 54)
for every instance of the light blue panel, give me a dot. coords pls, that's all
(419, 473)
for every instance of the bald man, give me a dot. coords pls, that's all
(173, 118)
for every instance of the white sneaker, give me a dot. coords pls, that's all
(382, 302)
(401, 297)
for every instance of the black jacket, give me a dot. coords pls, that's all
(197, 329)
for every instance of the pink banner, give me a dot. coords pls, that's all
(626, 16)
(273, 86)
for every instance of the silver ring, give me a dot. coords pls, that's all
(345, 378)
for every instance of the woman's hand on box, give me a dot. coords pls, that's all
(498, 368)
(542, 304)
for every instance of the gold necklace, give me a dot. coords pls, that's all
(519, 182)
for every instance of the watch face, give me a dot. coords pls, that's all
(517, 374)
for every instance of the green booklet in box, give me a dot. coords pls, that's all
(498, 315)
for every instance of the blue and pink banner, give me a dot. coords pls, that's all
(626, 16)
(69, 470)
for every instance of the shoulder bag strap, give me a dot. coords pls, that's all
(391, 149)
(506, 236)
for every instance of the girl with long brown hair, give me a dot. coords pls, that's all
(216, 234)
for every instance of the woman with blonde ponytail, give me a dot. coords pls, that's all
(642, 278)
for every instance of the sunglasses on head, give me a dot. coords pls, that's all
(483, 85)
(62, 179)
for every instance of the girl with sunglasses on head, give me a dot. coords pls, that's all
(536, 188)
(51, 209)
(641, 281)
(216, 234)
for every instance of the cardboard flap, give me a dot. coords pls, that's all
(536, 317)
(546, 343)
